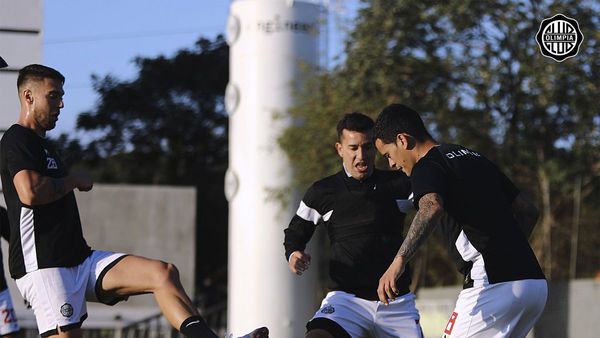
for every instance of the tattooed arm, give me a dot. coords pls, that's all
(526, 213)
(430, 214)
(35, 189)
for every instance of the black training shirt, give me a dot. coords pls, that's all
(486, 242)
(41, 236)
(364, 226)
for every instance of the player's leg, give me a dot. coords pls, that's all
(497, 310)
(132, 275)
(318, 333)
(531, 295)
(400, 318)
(9, 328)
(459, 322)
(75, 333)
(342, 315)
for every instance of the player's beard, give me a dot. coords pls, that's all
(46, 121)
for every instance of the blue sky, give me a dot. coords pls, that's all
(88, 37)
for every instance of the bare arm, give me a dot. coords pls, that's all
(431, 211)
(430, 214)
(526, 213)
(35, 189)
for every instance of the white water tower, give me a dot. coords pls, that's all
(270, 41)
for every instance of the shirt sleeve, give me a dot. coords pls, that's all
(20, 155)
(302, 226)
(429, 177)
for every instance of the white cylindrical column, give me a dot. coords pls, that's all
(270, 43)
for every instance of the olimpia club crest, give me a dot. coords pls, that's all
(559, 37)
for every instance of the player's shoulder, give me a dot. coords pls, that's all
(16, 132)
(322, 191)
(325, 185)
(451, 151)
(389, 175)
(393, 181)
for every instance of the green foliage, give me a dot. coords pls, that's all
(171, 115)
(474, 70)
(166, 126)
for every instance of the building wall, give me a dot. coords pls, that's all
(20, 44)
(152, 221)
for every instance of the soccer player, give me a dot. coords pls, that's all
(8, 322)
(9, 327)
(54, 268)
(487, 230)
(360, 207)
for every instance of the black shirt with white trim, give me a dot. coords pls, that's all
(41, 236)
(485, 241)
(364, 224)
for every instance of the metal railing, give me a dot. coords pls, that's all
(154, 326)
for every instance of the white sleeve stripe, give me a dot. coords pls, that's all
(28, 239)
(327, 216)
(311, 215)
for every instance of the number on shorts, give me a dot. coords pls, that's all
(9, 316)
(451, 322)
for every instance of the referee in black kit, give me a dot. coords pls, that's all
(484, 218)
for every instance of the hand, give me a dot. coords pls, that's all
(262, 332)
(83, 181)
(387, 283)
(299, 262)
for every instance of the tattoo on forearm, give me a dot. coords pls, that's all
(422, 225)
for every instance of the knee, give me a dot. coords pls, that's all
(165, 274)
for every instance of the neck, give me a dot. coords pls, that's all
(422, 148)
(26, 121)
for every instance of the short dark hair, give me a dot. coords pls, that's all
(37, 72)
(396, 119)
(354, 122)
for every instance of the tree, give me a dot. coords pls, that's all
(475, 72)
(166, 126)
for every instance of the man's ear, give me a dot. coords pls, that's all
(338, 148)
(402, 141)
(405, 141)
(28, 95)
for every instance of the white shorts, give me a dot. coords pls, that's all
(58, 295)
(8, 320)
(507, 309)
(367, 318)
